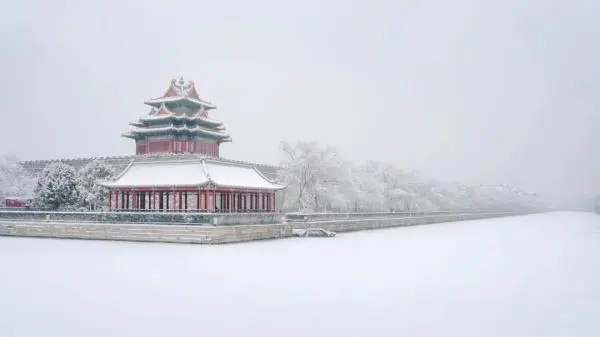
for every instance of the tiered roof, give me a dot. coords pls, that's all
(180, 110)
(163, 114)
(191, 173)
(181, 91)
(184, 129)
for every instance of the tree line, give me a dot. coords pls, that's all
(319, 179)
(316, 177)
(58, 187)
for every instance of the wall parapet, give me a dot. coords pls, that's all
(310, 217)
(400, 220)
(165, 218)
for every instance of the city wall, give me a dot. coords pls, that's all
(210, 234)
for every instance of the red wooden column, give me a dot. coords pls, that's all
(270, 196)
(267, 196)
(272, 201)
(214, 201)
(259, 201)
(133, 200)
(175, 194)
(205, 200)
(198, 194)
(230, 204)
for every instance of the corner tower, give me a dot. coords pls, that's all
(178, 122)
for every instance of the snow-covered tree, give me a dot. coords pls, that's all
(56, 187)
(15, 181)
(91, 195)
(318, 179)
(311, 175)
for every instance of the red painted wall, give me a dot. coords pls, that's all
(178, 146)
(17, 203)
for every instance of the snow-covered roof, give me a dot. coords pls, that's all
(191, 173)
(181, 90)
(164, 113)
(196, 117)
(196, 129)
(160, 100)
(236, 175)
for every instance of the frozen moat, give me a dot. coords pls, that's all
(535, 275)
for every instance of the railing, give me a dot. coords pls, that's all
(123, 217)
(307, 217)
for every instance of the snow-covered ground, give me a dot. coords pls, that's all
(529, 276)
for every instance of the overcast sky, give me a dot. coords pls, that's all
(502, 91)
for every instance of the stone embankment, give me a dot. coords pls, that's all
(145, 233)
(352, 223)
(230, 233)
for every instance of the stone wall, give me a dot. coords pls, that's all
(146, 233)
(310, 217)
(399, 220)
(207, 234)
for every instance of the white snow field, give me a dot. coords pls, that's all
(536, 275)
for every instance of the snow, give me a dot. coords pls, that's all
(318, 179)
(234, 175)
(528, 276)
(180, 129)
(15, 181)
(157, 101)
(92, 195)
(195, 117)
(162, 174)
(56, 187)
(191, 173)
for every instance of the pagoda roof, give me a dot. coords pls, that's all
(163, 113)
(181, 91)
(179, 129)
(190, 173)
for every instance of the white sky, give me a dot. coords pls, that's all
(471, 90)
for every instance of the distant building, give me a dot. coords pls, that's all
(17, 202)
(177, 166)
